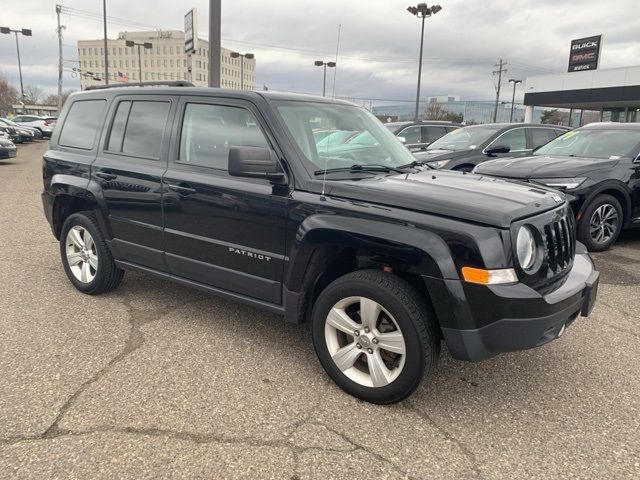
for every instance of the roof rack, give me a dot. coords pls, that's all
(170, 83)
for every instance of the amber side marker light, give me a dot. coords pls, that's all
(481, 276)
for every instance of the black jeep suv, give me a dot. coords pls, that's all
(226, 191)
(598, 167)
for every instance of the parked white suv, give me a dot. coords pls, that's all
(44, 124)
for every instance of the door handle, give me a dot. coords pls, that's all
(181, 188)
(106, 175)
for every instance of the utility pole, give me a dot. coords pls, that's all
(106, 50)
(500, 65)
(59, 30)
(215, 25)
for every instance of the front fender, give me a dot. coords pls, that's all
(425, 252)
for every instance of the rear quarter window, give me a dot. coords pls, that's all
(82, 123)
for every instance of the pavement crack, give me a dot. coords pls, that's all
(137, 319)
(471, 457)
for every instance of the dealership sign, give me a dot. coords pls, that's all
(190, 32)
(585, 53)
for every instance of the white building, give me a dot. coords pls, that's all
(165, 60)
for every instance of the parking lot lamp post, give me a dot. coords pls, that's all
(146, 46)
(321, 63)
(27, 33)
(241, 56)
(422, 11)
(513, 98)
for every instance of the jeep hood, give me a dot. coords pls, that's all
(457, 195)
(539, 166)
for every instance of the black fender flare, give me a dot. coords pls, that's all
(425, 250)
(616, 185)
(86, 190)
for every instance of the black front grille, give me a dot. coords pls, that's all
(560, 243)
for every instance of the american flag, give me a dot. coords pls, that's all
(122, 77)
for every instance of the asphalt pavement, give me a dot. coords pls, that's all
(158, 381)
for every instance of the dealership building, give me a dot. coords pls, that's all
(163, 59)
(613, 93)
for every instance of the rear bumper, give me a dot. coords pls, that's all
(516, 317)
(47, 206)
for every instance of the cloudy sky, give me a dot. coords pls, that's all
(378, 46)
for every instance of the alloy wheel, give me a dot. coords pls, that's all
(82, 255)
(603, 224)
(365, 341)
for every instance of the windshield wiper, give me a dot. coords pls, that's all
(417, 163)
(361, 168)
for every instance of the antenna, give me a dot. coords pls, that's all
(335, 70)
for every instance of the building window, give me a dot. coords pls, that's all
(126, 63)
(171, 50)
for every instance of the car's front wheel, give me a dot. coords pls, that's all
(85, 256)
(375, 335)
(601, 223)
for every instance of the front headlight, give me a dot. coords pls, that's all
(563, 183)
(438, 163)
(527, 250)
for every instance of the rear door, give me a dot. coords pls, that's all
(129, 168)
(222, 231)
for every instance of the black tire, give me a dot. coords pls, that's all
(411, 313)
(584, 225)
(107, 275)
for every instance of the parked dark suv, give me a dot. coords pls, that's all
(419, 135)
(598, 166)
(467, 147)
(225, 191)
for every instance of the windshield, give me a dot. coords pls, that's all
(464, 138)
(591, 143)
(360, 140)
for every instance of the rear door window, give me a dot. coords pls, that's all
(82, 124)
(138, 128)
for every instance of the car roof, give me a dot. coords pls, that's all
(209, 91)
(506, 126)
(611, 126)
(420, 122)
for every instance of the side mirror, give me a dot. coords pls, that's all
(496, 149)
(254, 162)
(403, 140)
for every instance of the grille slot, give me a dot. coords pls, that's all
(560, 244)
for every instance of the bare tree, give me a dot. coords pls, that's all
(52, 99)
(435, 111)
(8, 96)
(33, 94)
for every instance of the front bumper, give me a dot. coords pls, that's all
(516, 317)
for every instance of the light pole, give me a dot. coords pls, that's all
(320, 63)
(513, 98)
(146, 46)
(248, 56)
(422, 11)
(27, 33)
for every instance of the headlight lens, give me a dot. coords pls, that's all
(526, 249)
(564, 183)
(438, 163)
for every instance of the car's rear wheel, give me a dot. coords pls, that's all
(601, 223)
(375, 335)
(85, 256)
